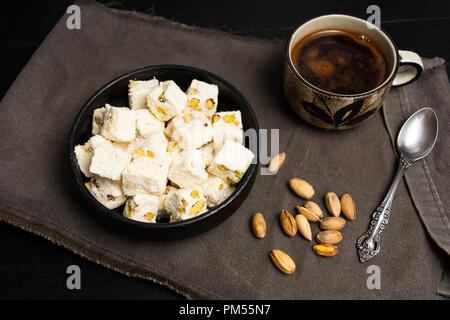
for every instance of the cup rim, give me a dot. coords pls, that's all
(332, 94)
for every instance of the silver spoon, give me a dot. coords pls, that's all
(414, 142)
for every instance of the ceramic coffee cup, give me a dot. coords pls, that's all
(334, 111)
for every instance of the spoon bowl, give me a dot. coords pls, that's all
(418, 135)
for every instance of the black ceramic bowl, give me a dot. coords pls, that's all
(116, 94)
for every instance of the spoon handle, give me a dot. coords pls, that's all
(369, 244)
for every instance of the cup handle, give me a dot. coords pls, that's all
(414, 68)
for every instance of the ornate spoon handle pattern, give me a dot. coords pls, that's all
(369, 244)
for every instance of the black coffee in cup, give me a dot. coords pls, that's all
(340, 61)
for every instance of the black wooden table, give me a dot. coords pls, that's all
(31, 267)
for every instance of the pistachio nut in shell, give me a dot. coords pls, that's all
(314, 207)
(259, 226)
(333, 204)
(326, 250)
(277, 162)
(332, 223)
(301, 188)
(282, 261)
(348, 207)
(288, 223)
(311, 216)
(329, 237)
(303, 226)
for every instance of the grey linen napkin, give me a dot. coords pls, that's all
(428, 180)
(37, 192)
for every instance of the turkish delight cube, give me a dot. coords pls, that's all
(83, 154)
(185, 204)
(227, 126)
(152, 146)
(203, 97)
(145, 175)
(119, 124)
(97, 120)
(143, 207)
(138, 92)
(146, 122)
(108, 161)
(231, 162)
(191, 130)
(188, 169)
(107, 192)
(216, 190)
(166, 100)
